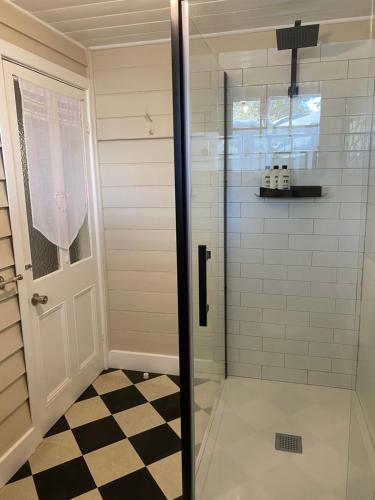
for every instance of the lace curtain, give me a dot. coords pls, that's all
(56, 162)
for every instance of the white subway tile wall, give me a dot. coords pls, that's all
(296, 263)
(207, 206)
(366, 366)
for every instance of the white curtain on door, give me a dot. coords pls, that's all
(55, 155)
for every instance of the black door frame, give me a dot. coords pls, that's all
(225, 224)
(180, 74)
(181, 129)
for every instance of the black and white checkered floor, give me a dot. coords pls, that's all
(121, 439)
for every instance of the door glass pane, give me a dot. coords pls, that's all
(80, 248)
(207, 213)
(44, 254)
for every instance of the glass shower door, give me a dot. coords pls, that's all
(199, 193)
(207, 227)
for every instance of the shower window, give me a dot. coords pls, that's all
(302, 111)
(279, 126)
(306, 111)
(278, 111)
(246, 114)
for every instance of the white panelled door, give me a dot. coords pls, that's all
(61, 306)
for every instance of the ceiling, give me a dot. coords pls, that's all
(106, 22)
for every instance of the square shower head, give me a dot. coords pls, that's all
(297, 37)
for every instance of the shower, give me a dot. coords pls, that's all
(295, 38)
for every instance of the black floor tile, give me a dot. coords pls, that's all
(24, 471)
(156, 443)
(123, 399)
(137, 377)
(60, 426)
(73, 478)
(139, 485)
(109, 370)
(168, 407)
(90, 392)
(65, 481)
(175, 379)
(97, 434)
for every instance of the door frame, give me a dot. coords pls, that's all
(181, 129)
(22, 449)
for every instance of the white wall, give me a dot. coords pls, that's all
(15, 419)
(295, 265)
(366, 354)
(25, 31)
(138, 195)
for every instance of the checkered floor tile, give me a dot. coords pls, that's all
(120, 439)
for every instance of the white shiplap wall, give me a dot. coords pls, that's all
(15, 419)
(138, 195)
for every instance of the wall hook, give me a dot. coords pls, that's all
(150, 120)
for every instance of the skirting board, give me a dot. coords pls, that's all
(17, 455)
(143, 362)
(161, 363)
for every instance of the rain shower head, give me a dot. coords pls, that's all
(298, 36)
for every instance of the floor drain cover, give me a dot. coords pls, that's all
(289, 443)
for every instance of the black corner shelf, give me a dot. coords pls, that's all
(293, 192)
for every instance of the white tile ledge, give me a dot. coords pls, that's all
(365, 433)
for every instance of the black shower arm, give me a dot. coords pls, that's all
(293, 89)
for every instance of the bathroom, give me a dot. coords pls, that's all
(208, 331)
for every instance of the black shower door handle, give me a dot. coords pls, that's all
(203, 256)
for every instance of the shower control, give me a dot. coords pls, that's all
(39, 299)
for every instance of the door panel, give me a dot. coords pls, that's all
(64, 331)
(54, 340)
(85, 323)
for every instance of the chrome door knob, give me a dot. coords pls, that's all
(39, 299)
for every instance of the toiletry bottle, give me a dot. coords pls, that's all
(274, 177)
(266, 177)
(284, 178)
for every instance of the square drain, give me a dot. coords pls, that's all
(288, 442)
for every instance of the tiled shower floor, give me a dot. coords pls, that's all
(243, 464)
(121, 439)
